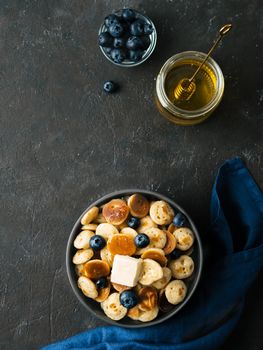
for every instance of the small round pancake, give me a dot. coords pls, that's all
(94, 269)
(156, 254)
(122, 244)
(157, 239)
(147, 298)
(90, 215)
(106, 230)
(161, 213)
(82, 239)
(182, 267)
(139, 206)
(105, 255)
(145, 223)
(87, 287)
(129, 231)
(170, 243)
(82, 256)
(134, 313)
(161, 283)
(113, 308)
(147, 316)
(103, 294)
(151, 272)
(184, 238)
(175, 292)
(115, 212)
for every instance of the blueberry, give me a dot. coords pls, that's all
(148, 28)
(116, 30)
(118, 55)
(105, 39)
(134, 43)
(134, 222)
(179, 220)
(137, 27)
(111, 19)
(119, 42)
(108, 50)
(135, 55)
(97, 242)
(101, 282)
(128, 299)
(141, 240)
(146, 41)
(175, 254)
(128, 15)
(109, 86)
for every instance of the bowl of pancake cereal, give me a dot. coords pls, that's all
(134, 258)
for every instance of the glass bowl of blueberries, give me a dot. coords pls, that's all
(127, 37)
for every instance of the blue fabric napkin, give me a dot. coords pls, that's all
(236, 256)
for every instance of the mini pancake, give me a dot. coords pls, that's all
(155, 254)
(122, 244)
(170, 243)
(94, 269)
(103, 294)
(115, 212)
(139, 206)
(134, 313)
(147, 298)
(90, 215)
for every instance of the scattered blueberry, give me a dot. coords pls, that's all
(135, 55)
(146, 41)
(119, 42)
(101, 282)
(105, 39)
(111, 19)
(134, 222)
(116, 30)
(134, 43)
(175, 254)
(97, 242)
(141, 240)
(179, 220)
(148, 28)
(137, 27)
(128, 15)
(128, 299)
(109, 86)
(118, 55)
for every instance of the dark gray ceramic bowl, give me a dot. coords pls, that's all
(94, 307)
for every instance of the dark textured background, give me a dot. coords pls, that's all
(64, 143)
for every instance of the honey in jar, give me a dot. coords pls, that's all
(208, 92)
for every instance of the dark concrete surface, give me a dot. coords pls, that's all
(64, 143)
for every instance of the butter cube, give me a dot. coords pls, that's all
(126, 270)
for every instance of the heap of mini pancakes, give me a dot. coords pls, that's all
(161, 283)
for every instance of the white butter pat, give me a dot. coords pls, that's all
(126, 270)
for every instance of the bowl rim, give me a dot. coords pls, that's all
(75, 229)
(148, 52)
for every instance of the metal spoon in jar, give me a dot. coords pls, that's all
(186, 87)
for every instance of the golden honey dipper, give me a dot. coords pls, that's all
(186, 87)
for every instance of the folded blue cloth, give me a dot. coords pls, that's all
(236, 256)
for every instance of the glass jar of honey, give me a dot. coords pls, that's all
(209, 88)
